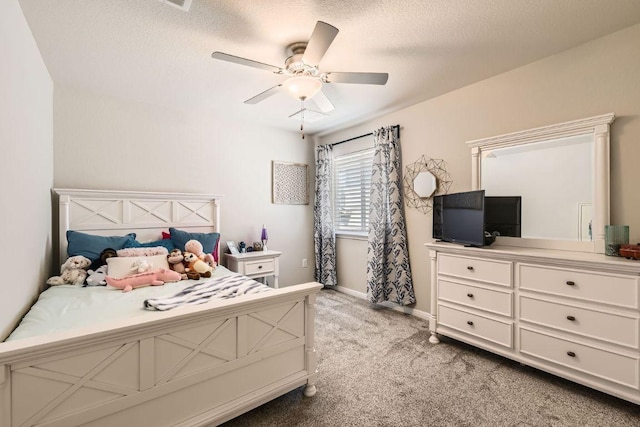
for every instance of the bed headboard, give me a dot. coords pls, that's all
(113, 213)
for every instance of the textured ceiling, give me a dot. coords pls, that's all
(150, 52)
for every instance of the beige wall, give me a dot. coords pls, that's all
(595, 78)
(111, 143)
(26, 165)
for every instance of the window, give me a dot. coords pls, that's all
(351, 189)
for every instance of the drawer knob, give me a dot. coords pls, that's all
(470, 295)
(571, 283)
(470, 268)
(571, 354)
(573, 319)
(469, 322)
(259, 267)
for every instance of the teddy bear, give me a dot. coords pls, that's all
(176, 262)
(195, 264)
(97, 277)
(195, 247)
(72, 271)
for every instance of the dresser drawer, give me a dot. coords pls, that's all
(474, 324)
(599, 362)
(495, 301)
(598, 324)
(490, 271)
(590, 286)
(259, 267)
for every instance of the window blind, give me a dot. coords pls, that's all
(352, 188)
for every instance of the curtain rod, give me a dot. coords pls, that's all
(395, 127)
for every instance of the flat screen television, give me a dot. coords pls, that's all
(437, 217)
(502, 215)
(459, 218)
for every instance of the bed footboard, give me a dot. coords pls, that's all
(190, 366)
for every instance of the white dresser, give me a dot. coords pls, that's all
(573, 314)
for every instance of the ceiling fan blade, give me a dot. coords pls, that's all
(263, 95)
(322, 102)
(243, 61)
(359, 78)
(321, 38)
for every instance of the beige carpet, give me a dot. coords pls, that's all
(377, 368)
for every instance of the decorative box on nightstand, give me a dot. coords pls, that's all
(260, 264)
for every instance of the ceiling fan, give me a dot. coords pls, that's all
(305, 79)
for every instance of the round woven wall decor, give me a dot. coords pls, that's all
(438, 168)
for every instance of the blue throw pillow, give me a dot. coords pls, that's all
(91, 246)
(167, 243)
(208, 240)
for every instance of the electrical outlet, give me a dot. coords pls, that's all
(304, 262)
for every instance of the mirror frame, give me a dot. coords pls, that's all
(599, 127)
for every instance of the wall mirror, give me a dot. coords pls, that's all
(424, 184)
(561, 174)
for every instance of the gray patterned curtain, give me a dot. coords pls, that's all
(388, 269)
(323, 234)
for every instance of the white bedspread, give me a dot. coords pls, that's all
(66, 307)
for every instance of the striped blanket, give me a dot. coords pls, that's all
(201, 292)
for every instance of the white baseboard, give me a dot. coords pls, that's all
(388, 304)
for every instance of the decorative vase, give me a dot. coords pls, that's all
(264, 237)
(614, 237)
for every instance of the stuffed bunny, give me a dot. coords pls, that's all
(72, 272)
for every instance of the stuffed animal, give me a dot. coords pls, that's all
(176, 262)
(193, 275)
(195, 247)
(102, 260)
(196, 264)
(72, 272)
(139, 266)
(97, 277)
(73, 276)
(148, 278)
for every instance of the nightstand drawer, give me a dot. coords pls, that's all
(591, 286)
(610, 327)
(490, 271)
(473, 324)
(499, 302)
(591, 360)
(259, 267)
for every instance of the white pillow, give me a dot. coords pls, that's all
(119, 267)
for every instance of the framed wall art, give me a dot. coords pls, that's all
(290, 183)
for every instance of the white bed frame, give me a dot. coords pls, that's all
(190, 366)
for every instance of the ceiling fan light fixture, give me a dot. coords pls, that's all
(302, 87)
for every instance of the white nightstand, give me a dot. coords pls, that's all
(256, 264)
